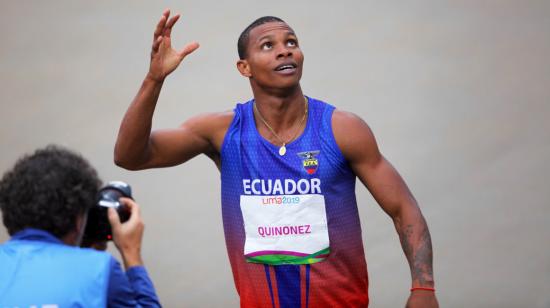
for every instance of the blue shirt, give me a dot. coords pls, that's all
(252, 168)
(130, 289)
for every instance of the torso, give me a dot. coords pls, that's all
(250, 167)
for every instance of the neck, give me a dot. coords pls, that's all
(70, 238)
(280, 110)
(74, 236)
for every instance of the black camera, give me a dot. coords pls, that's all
(98, 228)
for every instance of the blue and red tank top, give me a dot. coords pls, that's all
(291, 222)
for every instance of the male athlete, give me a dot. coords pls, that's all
(288, 165)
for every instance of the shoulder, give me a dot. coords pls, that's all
(211, 121)
(74, 256)
(91, 253)
(210, 126)
(353, 135)
(348, 127)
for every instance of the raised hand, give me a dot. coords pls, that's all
(164, 58)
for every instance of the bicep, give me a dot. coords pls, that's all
(385, 184)
(358, 144)
(169, 147)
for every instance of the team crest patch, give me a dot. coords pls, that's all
(309, 161)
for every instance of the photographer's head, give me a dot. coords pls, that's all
(51, 190)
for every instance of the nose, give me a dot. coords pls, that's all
(284, 52)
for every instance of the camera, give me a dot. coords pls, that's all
(98, 228)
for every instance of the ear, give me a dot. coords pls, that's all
(81, 221)
(244, 68)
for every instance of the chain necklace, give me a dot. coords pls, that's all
(282, 149)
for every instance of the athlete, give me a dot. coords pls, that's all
(288, 165)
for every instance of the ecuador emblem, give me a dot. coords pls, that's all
(309, 161)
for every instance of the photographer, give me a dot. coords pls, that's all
(45, 201)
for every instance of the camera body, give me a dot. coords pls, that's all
(98, 228)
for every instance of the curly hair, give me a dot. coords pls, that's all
(48, 190)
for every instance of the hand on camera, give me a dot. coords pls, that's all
(127, 236)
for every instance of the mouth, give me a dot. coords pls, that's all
(286, 67)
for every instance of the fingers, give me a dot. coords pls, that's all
(114, 219)
(164, 59)
(161, 24)
(189, 48)
(159, 27)
(156, 44)
(163, 29)
(170, 24)
(133, 208)
(164, 26)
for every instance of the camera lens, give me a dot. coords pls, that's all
(109, 198)
(98, 227)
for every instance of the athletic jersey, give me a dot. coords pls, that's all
(291, 222)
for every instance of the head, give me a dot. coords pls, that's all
(51, 190)
(269, 53)
(242, 43)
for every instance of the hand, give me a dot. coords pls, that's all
(422, 299)
(165, 59)
(127, 236)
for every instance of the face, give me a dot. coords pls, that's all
(274, 58)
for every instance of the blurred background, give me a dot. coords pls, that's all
(456, 92)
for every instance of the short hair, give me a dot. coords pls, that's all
(242, 43)
(48, 190)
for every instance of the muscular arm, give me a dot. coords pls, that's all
(358, 145)
(139, 148)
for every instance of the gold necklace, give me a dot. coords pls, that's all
(282, 149)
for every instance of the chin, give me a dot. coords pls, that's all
(288, 82)
(278, 83)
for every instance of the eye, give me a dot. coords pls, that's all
(292, 43)
(266, 46)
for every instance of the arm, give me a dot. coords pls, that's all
(136, 147)
(134, 288)
(131, 289)
(358, 145)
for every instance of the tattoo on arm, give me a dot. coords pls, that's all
(417, 245)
